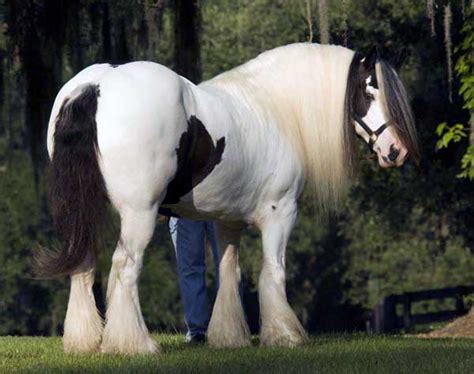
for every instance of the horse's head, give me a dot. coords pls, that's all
(379, 110)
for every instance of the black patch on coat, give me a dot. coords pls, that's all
(373, 80)
(114, 65)
(197, 157)
(358, 100)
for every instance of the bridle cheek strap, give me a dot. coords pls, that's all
(373, 135)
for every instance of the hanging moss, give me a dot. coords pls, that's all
(448, 46)
(344, 20)
(323, 22)
(309, 20)
(431, 15)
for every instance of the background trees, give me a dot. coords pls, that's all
(401, 230)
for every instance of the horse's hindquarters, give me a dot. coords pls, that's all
(140, 120)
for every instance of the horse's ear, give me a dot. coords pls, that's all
(370, 60)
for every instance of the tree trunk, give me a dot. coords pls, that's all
(38, 28)
(2, 94)
(106, 48)
(187, 39)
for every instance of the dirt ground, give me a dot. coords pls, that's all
(462, 327)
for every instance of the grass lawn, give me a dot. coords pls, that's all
(326, 354)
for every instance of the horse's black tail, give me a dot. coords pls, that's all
(77, 193)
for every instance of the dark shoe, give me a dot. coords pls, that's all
(196, 339)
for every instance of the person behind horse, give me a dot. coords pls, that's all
(188, 238)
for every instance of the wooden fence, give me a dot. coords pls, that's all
(385, 319)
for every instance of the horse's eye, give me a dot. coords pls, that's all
(369, 96)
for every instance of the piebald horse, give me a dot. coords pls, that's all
(238, 149)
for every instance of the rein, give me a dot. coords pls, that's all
(373, 135)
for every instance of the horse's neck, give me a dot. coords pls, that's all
(299, 90)
(226, 114)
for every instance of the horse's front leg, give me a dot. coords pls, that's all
(83, 324)
(228, 327)
(125, 330)
(279, 324)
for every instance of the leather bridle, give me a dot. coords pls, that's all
(373, 135)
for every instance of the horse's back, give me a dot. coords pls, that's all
(138, 101)
(125, 90)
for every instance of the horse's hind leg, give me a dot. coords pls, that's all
(228, 327)
(280, 326)
(83, 324)
(125, 330)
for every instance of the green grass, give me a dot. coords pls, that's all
(326, 354)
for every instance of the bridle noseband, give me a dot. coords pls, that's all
(373, 135)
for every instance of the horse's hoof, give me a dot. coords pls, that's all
(273, 338)
(82, 347)
(226, 342)
(149, 346)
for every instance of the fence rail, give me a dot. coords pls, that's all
(385, 319)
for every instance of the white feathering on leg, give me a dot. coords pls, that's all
(125, 331)
(228, 327)
(83, 325)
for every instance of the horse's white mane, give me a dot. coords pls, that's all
(301, 89)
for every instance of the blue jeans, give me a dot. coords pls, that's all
(189, 242)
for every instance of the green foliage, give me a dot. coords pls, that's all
(465, 64)
(467, 164)
(232, 34)
(465, 71)
(449, 134)
(404, 236)
(20, 298)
